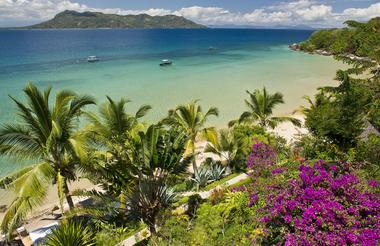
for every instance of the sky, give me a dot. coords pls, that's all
(313, 13)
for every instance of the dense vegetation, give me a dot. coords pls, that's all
(361, 39)
(73, 19)
(321, 190)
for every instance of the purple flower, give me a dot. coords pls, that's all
(373, 183)
(278, 171)
(324, 208)
(262, 156)
(253, 198)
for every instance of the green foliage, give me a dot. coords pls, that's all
(202, 177)
(225, 145)
(369, 152)
(220, 182)
(48, 137)
(260, 110)
(338, 113)
(361, 39)
(111, 235)
(148, 199)
(191, 120)
(314, 148)
(71, 233)
(229, 222)
(193, 203)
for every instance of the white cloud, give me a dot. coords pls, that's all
(295, 12)
(362, 13)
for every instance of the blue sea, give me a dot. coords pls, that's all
(243, 59)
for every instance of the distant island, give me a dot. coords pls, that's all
(74, 19)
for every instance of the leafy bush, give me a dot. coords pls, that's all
(111, 235)
(193, 204)
(217, 195)
(71, 233)
(229, 222)
(369, 152)
(324, 206)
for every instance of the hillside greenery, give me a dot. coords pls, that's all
(73, 19)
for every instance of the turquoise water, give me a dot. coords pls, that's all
(243, 59)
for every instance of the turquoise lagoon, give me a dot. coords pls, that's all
(243, 59)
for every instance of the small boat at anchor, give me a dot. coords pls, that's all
(166, 62)
(93, 59)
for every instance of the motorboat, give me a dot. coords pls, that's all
(93, 59)
(166, 62)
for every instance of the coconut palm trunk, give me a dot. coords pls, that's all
(195, 167)
(66, 191)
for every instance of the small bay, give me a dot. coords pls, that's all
(243, 59)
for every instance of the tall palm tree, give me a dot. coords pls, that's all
(48, 137)
(260, 109)
(111, 130)
(191, 119)
(113, 121)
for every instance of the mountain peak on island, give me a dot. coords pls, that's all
(74, 19)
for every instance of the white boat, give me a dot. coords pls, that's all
(166, 62)
(93, 59)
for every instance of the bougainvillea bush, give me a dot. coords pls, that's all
(324, 206)
(261, 159)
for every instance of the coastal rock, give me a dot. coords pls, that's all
(323, 52)
(295, 47)
(3, 208)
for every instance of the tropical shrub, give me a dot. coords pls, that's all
(262, 158)
(217, 195)
(110, 234)
(229, 222)
(326, 205)
(192, 204)
(369, 152)
(71, 233)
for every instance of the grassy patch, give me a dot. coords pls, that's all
(181, 201)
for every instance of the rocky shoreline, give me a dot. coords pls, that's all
(297, 47)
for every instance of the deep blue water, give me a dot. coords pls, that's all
(22, 50)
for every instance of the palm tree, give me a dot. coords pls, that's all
(148, 199)
(111, 130)
(159, 155)
(46, 135)
(113, 121)
(156, 154)
(191, 119)
(224, 144)
(260, 109)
